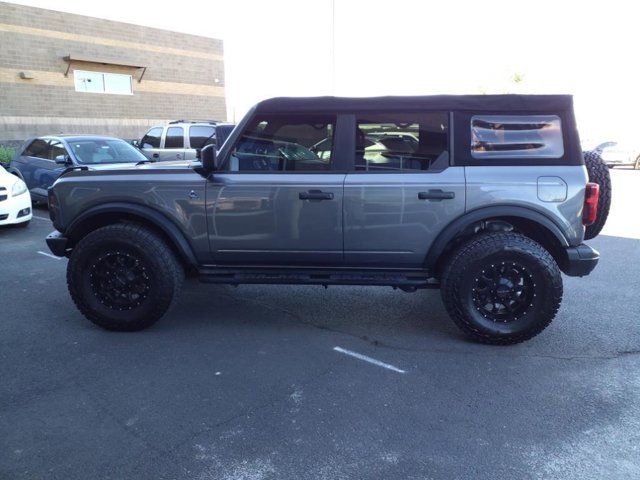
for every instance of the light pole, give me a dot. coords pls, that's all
(333, 47)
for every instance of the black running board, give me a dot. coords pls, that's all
(404, 279)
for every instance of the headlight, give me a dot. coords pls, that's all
(18, 188)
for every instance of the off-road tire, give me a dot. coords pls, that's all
(163, 276)
(598, 173)
(459, 282)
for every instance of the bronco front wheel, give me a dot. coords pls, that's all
(501, 288)
(123, 277)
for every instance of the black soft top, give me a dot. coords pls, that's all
(474, 103)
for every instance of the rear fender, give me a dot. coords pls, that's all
(461, 225)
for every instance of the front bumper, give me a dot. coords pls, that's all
(580, 260)
(57, 243)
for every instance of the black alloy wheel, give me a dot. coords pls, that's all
(119, 280)
(503, 292)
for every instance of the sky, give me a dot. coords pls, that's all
(418, 47)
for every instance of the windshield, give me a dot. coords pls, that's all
(100, 151)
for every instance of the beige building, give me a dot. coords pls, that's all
(65, 73)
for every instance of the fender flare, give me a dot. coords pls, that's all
(467, 219)
(158, 219)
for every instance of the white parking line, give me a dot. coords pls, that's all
(49, 255)
(359, 356)
(41, 218)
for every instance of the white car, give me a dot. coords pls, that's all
(15, 201)
(618, 153)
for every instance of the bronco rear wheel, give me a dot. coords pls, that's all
(123, 277)
(501, 288)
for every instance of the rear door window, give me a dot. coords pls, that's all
(401, 142)
(174, 138)
(152, 138)
(516, 136)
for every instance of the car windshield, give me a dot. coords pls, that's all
(92, 151)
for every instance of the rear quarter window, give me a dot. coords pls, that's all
(516, 136)
(199, 134)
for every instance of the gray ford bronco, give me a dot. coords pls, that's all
(484, 197)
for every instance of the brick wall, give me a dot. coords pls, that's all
(184, 76)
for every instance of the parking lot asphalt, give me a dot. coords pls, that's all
(247, 383)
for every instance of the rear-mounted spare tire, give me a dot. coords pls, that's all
(598, 173)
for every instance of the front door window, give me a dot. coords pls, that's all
(152, 138)
(276, 143)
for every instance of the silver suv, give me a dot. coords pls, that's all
(181, 139)
(484, 197)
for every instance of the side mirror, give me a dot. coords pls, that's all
(135, 143)
(63, 160)
(208, 158)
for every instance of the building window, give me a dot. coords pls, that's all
(98, 82)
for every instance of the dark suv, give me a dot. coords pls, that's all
(484, 197)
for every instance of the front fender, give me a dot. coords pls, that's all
(16, 172)
(147, 215)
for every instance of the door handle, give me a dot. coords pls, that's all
(156, 155)
(315, 195)
(436, 195)
(178, 156)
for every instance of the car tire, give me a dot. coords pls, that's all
(124, 277)
(501, 288)
(636, 165)
(598, 173)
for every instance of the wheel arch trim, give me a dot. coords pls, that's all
(15, 171)
(457, 226)
(148, 214)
